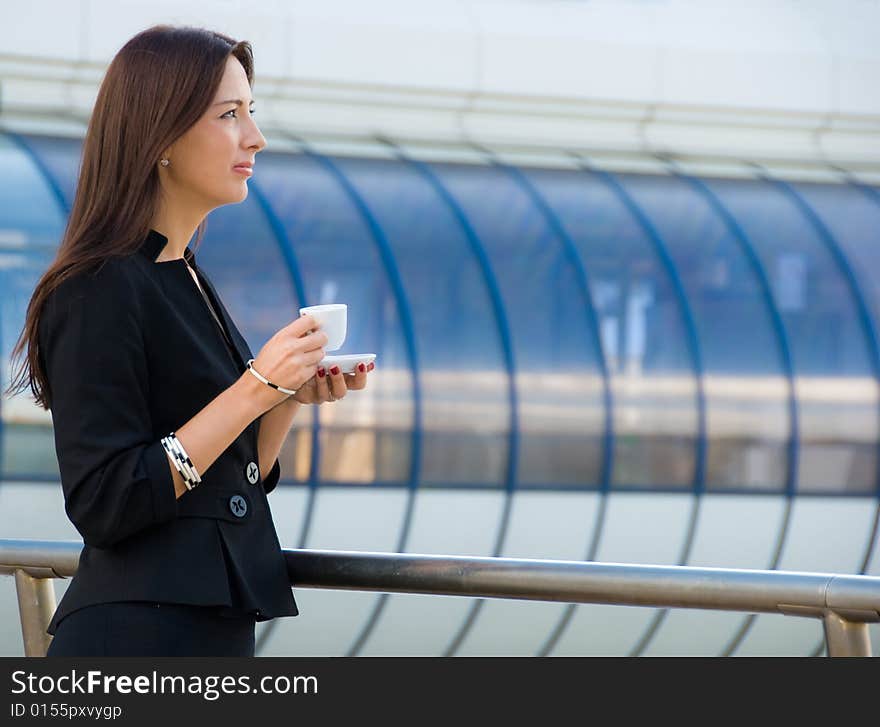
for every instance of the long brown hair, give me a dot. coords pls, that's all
(156, 87)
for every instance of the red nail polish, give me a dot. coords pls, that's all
(334, 370)
(321, 372)
(371, 366)
(361, 367)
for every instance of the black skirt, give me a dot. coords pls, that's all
(147, 628)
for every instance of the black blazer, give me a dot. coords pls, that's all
(132, 352)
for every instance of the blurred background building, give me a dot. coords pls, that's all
(618, 260)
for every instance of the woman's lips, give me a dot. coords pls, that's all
(247, 171)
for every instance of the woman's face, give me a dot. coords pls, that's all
(201, 172)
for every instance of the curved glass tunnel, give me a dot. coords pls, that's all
(572, 363)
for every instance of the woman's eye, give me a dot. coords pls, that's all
(232, 111)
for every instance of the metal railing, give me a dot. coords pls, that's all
(845, 604)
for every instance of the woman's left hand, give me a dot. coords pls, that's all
(332, 386)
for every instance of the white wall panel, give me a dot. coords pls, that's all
(737, 531)
(744, 55)
(112, 23)
(383, 43)
(761, 80)
(347, 518)
(645, 527)
(798, 82)
(27, 33)
(828, 534)
(857, 89)
(851, 31)
(592, 51)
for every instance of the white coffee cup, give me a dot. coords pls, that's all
(333, 318)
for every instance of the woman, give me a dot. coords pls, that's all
(167, 429)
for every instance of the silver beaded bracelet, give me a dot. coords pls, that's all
(265, 380)
(180, 459)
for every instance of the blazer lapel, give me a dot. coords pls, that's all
(242, 349)
(152, 245)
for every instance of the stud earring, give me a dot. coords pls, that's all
(165, 162)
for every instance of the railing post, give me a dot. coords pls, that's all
(845, 638)
(36, 604)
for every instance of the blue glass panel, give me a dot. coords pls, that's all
(60, 158)
(461, 369)
(829, 348)
(559, 385)
(852, 216)
(745, 383)
(558, 374)
(243, 258)
(642, 332)
(339, 262)
(31, 225)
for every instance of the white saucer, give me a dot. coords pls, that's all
(347, 362)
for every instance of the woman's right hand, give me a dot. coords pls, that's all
(289, 359)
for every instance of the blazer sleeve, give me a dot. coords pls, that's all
(114, 473)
